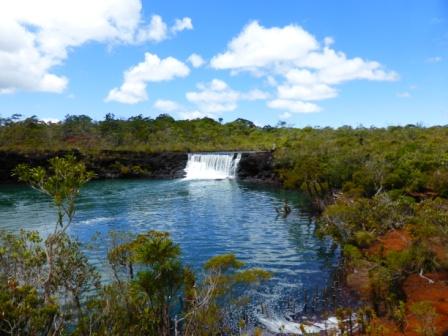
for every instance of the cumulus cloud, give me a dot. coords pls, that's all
(293, 106)
(292, 60)
(210, 100)
(152, 69)
(257, 47)
(156, 31)
(196, 60)
(285, 116)
(306, 92)
(166, 105)
(36, 36)
(216, 97)
(255, 95)
(182, 24)
(328, 41)
(190, 115)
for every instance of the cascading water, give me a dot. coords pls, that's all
(212, 166)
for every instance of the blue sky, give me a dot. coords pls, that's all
(318, 63)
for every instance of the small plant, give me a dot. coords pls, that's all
(426, 316)
(399, 316)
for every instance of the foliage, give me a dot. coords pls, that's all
(426, 315)
(359, 221)
(211, 303)
(24, 312)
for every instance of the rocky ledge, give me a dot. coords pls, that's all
(254, 166)
(105, 164)
(258, 167)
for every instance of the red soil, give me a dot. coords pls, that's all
(396, 240)
(418, 289)
(415, 287)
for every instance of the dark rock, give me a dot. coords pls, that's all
(254, 166)
(105, 164)
(258, 167)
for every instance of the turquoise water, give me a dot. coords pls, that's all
(206, 218)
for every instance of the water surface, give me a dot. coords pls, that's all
(205, 217)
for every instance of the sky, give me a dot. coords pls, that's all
(308, 63)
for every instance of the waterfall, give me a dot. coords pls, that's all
(212, 166)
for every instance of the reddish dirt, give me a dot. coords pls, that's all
(418, 289)
(396, 240)
(358, 280)
(439, 248)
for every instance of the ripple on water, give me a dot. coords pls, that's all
(205, 217)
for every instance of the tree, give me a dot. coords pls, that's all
(44, 283)
(62, 183)
(210, 303)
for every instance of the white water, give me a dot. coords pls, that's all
(207, 166)
(282, 326)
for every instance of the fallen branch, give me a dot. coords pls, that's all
(425, 277)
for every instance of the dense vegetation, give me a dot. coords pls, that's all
(368, 185)
(137, 134)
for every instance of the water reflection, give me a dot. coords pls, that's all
(206, 218)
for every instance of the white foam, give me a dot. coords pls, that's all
(95, 220)
(283, 326)
(212, 166)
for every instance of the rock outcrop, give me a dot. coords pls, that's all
(254, 166)
(257, 167)
(105, 164)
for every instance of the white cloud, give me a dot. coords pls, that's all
(152, 69)
(190, 115)
(166, 105)
(309, 71)
(285, 116)
(196, 60)
(36, 36)
(216, 97)
(328, 41)
(156, 31)
(301, 76)
(50, 120)
(294, 106)
(303, 92)
(332, 67)
(256, 95)
(7, 91)
(434, 59)
(270, 80)
(257, 46)
(210, 100)
(404, 95)
(182, 24)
